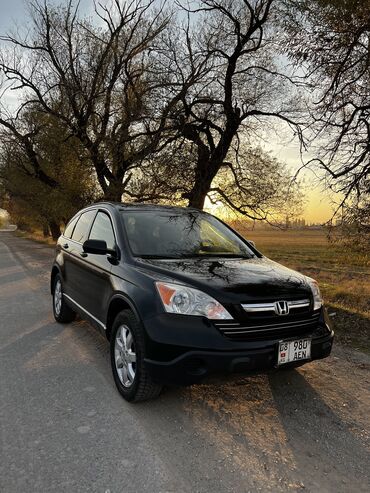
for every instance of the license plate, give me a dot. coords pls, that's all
(290, 351)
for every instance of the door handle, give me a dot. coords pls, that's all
(65, 245)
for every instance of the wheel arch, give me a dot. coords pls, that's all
(54, 271)
(118, 303)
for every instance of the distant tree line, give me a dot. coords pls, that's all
(154, 102)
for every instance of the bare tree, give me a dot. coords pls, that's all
(259, 187)
(329, 40)
(253, 184)
(161, 107)
(242, 90)
(100, 81)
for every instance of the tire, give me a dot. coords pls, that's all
(127, 352)
(62, 312)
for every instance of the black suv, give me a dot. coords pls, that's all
(179, 294)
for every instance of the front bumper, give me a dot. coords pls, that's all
(194, 365)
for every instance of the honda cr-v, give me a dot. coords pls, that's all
(180, 295)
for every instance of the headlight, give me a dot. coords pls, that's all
(189, 301)
(317, 299)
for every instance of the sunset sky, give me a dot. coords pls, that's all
(319, 204)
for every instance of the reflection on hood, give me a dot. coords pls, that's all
(245, 278)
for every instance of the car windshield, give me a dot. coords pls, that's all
(185, 234)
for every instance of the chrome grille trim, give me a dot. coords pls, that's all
(225, 324)
(243, 330)
(225, 328)
(270, 307)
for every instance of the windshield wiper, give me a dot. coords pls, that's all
(218, 255)
(195, 255)
(154, 256)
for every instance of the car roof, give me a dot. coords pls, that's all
(147, 207)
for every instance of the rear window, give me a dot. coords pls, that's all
(69, 229)
(82, 228)
(103, 230)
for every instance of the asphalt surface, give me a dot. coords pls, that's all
(65, 428)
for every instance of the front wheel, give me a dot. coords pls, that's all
(62, 312)
(127, 352)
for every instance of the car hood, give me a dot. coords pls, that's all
(235, 279)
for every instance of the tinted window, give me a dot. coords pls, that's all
(68, 231)
(181, 234)
(82, 228)
(102, 230)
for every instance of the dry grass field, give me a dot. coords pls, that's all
(344, 276)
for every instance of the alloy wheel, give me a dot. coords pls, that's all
(125, 355)
(58, 297)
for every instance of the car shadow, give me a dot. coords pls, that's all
(275, 428)
(324, 445)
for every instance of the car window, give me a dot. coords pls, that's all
(82, 228)
(213, 239)
(69, 229)
(181, 234)
(102, 230)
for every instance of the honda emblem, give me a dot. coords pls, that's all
(281, 308)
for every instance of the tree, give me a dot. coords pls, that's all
(160, 107)
(100, 82)
(329, 40)
(354, 228)
(44, 173)
(254, 185)
(259, 187)
(241, 91)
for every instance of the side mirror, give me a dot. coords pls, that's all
(99, 247)
(252, 243)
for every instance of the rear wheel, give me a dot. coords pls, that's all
(62, 312)
(127, 359)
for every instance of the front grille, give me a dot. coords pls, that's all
(269, 327)
(263, 309)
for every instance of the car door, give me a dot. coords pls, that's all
(63, 250)
(96, 290)
(74, 268)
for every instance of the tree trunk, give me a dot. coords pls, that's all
(204, 176)
(54, 229)
(198, 196)
(45, 230)
(208, 165)
(114, 191)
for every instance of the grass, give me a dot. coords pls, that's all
(344, 276)
(35, 236)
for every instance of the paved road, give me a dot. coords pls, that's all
(65, 428)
